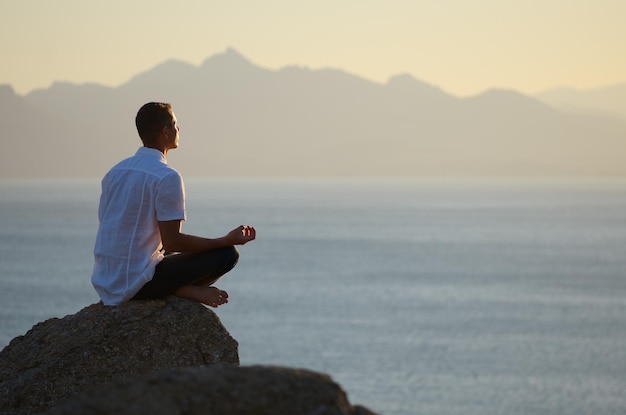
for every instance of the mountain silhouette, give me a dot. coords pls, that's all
(609, 100)
(241, 120)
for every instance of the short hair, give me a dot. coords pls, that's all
(151, 117)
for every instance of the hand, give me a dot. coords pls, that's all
(242, 235)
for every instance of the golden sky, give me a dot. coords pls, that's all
(462, 46)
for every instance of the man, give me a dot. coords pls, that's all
(141, 251)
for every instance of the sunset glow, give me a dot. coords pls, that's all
(461, 46)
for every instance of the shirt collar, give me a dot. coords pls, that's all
(152, 152)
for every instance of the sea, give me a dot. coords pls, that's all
(417, 296)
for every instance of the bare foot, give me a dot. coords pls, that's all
(211, 296)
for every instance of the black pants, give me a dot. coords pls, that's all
(176, 270)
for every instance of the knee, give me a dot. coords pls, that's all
(232, 254)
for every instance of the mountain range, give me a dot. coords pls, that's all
(238, 119)
(608, 100)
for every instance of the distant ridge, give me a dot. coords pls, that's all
(231, 58)
(610, 100)
(241, 120)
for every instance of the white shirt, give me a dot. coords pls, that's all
(136, 194)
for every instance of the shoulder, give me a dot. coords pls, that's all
(170, 177)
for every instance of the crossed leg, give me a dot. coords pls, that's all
(191, 276)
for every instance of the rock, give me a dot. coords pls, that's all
(60, 358)
(218, 389)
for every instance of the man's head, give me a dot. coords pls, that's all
(156, 125)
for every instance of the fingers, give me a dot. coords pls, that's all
(241, 235)
(248, 231)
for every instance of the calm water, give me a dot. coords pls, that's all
(418, 297)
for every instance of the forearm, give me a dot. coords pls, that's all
(176, 241)
(183, 242)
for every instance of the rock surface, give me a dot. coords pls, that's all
(218, 389)
(60, 358)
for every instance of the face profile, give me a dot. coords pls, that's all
(172, 133)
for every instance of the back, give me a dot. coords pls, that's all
(136, 194)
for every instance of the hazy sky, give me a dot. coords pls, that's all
(462, 46)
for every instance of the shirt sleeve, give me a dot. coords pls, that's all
(170, 198)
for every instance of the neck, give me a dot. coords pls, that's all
(162, 149)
